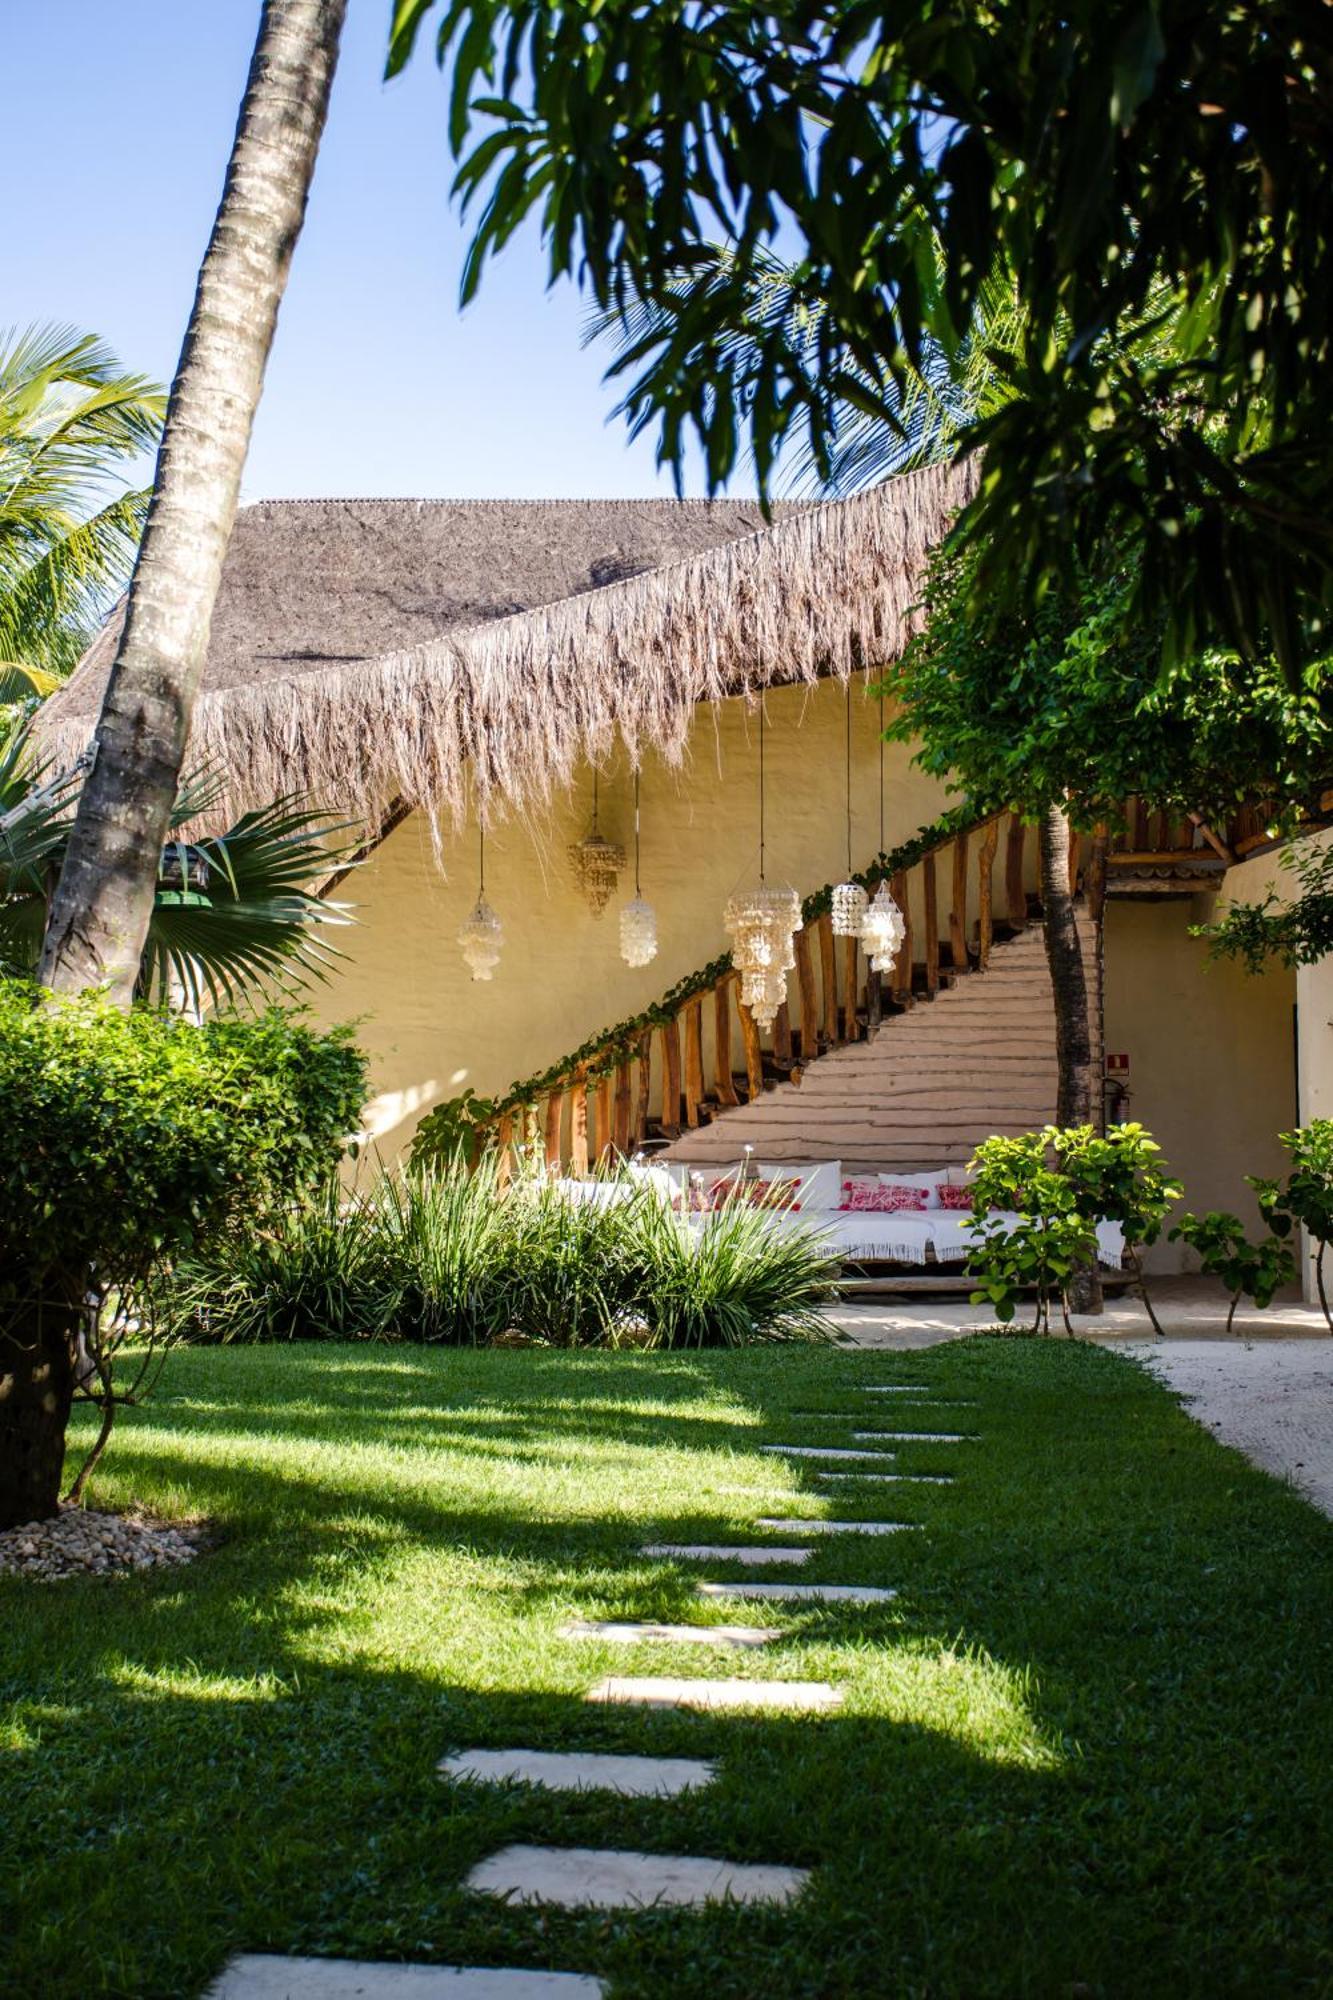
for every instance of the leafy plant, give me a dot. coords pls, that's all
(737, 1281)
(1305, 1200)
(1298, 932)
(1118, 1176)
(1247, 1270)
(1051, 1239)
(128, 1141)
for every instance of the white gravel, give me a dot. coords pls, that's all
(79, 1542)
(1272, 1400)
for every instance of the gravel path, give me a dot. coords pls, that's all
(1273, 1401)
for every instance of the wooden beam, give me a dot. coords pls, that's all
(932, 924)
(694, 1061)
(555, 1107)
(1015, 892)
(1075, 849)
(754, 1056)
(670, 1032)
(621, 1118)
(851, 1023)
(782, 1044)
(724, 1084)
(1214, 840)
(578, 1130)
(805, 977)
(902, 970)
(874, 1003)
(990, 840)
(958, 904)
(828, 975)
(504, 1141)
(643, 1095)
(1097, 874)
(604, 1114)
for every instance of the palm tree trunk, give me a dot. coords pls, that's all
(99, 916)
(1076, 1084)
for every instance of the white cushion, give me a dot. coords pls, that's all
(820, 1180)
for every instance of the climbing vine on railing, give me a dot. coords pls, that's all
(457, 1117)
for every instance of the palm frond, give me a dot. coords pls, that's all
(67, 591)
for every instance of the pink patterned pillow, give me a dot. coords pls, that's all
(882, 1198)
(956, 1198)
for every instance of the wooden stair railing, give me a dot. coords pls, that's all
(602, 1110)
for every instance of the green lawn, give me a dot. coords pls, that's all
(1086, 1751)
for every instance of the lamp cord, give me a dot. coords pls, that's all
(881, 770)
(761, 787)
(849, 777)
(636, 832)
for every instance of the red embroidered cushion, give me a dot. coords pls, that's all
(770, 1194)
(882, 1198)
(956, 1198)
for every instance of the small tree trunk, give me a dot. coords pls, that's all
(99, 916)
(37, 1346)
(1076, 1083)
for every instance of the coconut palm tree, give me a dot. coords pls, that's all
(105, 897)
(235, 914)
(71, 420)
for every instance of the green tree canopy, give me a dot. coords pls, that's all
(71, 420)
(1100, 151)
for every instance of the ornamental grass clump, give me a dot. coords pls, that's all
(745, 1276)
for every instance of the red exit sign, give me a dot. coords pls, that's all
(1116, 1063)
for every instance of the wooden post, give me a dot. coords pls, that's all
(1140, 836)
(874, 1003)
(725, 1084)
(782, 1033)
(504, 1142)
(1075, 850)
(642, 1097)
(1014, 891)
(958, 904)
(694, 1061)
(932, 924)
(851, 1024)
(620, 1125)
(603, 1115)
(805, 976)
(555, 1105)
(828, 973)
(754, 1057)
(578, 1129)
(671, 1078)
(1096, 875)
(903, 969)
(990, 840)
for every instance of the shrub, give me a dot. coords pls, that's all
(736, 1281)
(1248, 1270)
(1306, 1198)
(126, 1141)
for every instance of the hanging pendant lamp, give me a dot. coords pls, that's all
(596, 862)
(762, 922)
(850, 901)
(638, 921)
(883, 927)
(481, 935)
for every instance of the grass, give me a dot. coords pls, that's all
(1085, 1751)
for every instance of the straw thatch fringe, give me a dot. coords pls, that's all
(502, 715)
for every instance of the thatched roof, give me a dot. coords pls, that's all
(430, 653)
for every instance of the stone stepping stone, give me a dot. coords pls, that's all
(262, 1976)
(715, 1552)
(895, 1478)
(591, 1878)
(627, 1633)
(917, 1437)
(582, 1771)
(842, 1527)
(891, 1389)
(801, 1593)
(827, 1451)
(670, 1691)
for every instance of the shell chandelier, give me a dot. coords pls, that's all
(762, 923)
(481, 935)
(596, 862)
(850, 901)
(638, 920)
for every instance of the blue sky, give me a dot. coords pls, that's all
(121, 113)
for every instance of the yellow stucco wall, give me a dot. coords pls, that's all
(431, 1031)
(1211, 1048)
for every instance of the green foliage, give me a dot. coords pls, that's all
(1305, 1199)
(468, 1120)
(258, 920)
(1060, 1182)
(128, 1140)
(1299, 932)
(70, 417)
(1069, 706)
(1103, 155)
(447, 1255)
(1255, 1270)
